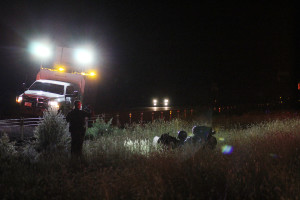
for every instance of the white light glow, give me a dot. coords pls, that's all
(41, 50)
(84, 56)
(154, 102)
(166, 102)
(19, 99)
(54, 104)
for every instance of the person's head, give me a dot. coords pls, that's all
(182, 135)
(77, 104)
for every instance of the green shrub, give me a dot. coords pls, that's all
(100, 127)
(52, 133)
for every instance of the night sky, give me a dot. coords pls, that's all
(192, 53)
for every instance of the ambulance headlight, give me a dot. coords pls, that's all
(19, 99)
(54, 104)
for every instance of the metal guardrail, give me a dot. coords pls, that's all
(22, 126)
(118, 117)
(19, 124)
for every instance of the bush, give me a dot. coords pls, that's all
(100, 127)
(52, 133)
(7, 148)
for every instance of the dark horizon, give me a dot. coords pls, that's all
(191, 53)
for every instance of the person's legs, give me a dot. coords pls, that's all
(76, 143)
(80, 143)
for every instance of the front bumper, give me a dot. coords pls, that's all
(31, 111)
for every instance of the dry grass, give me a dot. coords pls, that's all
(264, 164)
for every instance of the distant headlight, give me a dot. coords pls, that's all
(154, 102)
(19, 99)
(166, 102)
(54, 104)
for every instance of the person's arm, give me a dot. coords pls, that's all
(68, 117)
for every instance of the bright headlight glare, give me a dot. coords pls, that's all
(166, 102)
(154, 102)
(54, 104)
(19, 99)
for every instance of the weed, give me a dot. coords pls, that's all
(263, 163)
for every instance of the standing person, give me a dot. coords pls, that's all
(76, 118)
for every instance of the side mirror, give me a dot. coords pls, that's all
(75, 94)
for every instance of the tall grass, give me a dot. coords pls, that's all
(264, 164)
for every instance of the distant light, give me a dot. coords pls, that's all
(166, 102)
(154, 102)
(41, 50)
(227, 149)
(221, 139)
(84, 56)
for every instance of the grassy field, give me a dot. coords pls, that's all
(257, 157)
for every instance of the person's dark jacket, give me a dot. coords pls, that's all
(76, 118)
